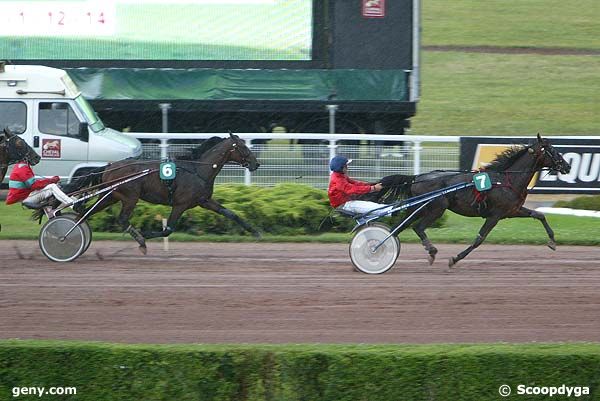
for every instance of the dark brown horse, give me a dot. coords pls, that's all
(510, 174)
(13, 149)
(192, 186)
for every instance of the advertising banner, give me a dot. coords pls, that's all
(582, 154)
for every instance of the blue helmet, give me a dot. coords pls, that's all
(338, 162)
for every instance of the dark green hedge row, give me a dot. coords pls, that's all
(299, 372)
(582, 202)
(285, 209)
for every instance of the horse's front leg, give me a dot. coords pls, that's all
(524, 212)
(489, 224)
(210, 204)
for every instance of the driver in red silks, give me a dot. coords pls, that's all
(31, 190)
(343, 190)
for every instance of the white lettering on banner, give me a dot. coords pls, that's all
(589, 171)
(585, 167)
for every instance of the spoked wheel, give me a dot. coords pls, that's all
(87, 230)
(365, 257)
(59, 247)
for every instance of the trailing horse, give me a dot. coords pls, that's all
(510, 174)
(13, 149)
(192, 186)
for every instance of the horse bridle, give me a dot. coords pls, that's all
(245, 162)
(14, 154)
(544, 151)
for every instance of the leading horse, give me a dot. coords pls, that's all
(192, 186)
(510, 174)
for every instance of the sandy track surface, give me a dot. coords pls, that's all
(290, 293)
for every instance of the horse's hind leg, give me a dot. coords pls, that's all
(126, 210)
(430, 215)
(524, 212)
(489, 224)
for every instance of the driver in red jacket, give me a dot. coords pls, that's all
(343, 190)
(31, 190)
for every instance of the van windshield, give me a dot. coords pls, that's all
(90, 115)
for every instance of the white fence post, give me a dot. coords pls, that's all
(417, 157)
(164, 149)
(332, 148)
(247, 175)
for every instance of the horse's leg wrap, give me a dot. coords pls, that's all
(155, 234)
(136, 235)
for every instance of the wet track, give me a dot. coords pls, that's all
(280, 293)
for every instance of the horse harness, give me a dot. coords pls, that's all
(170, 184)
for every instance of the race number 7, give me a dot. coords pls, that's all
(482, 182)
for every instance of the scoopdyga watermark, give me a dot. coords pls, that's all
(563, 390)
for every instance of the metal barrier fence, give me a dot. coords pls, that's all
(283, 159)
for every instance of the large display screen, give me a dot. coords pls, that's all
(279, 30)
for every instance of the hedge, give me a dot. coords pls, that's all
(121, 372)
(581, 202)
(286, 209)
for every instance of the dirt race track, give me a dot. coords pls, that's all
(290, 293)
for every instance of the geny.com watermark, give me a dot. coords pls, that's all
(570, 391)
(42, 391)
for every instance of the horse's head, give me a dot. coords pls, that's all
(241, 154)
(548, 156)
(14, 149)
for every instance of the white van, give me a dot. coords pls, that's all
(45, 107)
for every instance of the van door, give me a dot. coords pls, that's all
(58, 139)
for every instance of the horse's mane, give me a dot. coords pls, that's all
(507, 158)
(205, 146)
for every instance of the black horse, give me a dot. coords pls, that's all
(13, 149)
(510, 173)
(192, 186)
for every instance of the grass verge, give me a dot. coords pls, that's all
(569, 230)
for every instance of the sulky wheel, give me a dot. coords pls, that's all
(363, 255)
(58, 247)
(87, 231)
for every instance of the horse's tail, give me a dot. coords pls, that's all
(91, 178)
(395, 187)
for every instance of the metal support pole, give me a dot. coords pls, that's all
(164, 108)
(164, 143)
(247, 175)
(332, 109)
(417, 157)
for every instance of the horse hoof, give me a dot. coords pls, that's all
(143, 249)
(451, 262)
(552, 245)
(431, 259)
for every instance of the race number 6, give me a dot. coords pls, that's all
(168, 171)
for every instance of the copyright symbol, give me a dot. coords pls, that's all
(504, 390)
